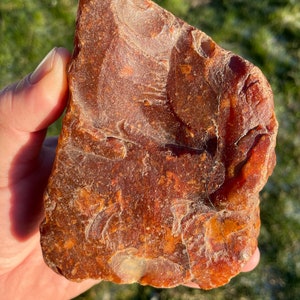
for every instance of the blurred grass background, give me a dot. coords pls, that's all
(266, 32)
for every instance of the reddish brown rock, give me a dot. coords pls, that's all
(166, 143)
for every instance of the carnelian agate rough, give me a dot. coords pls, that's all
(165, 145)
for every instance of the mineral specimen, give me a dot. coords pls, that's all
(165, 145)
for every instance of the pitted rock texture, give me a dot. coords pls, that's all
(165, 145)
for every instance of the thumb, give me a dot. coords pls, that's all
(38, 100)
(29, 107)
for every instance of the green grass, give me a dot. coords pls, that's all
(265, 32)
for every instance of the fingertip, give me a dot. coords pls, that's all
(253, 262)
(192, 285)
(249, 266)
(52, 90)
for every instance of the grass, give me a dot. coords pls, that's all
(265, 32)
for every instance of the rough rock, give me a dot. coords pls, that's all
(166, 143)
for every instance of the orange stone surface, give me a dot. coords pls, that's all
(166, 143)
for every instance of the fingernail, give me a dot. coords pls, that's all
(43, 68)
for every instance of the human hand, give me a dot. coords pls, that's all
(26, 110)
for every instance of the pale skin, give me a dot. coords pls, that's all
(27, 108)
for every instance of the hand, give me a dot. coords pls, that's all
(26, 110)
